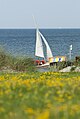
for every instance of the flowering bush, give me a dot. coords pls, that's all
(37, 95)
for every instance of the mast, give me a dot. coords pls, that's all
(39, 47)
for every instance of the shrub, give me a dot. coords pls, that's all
(4, 59)
(23, 64)
(61, 65)
(73, 68)
(18, 64)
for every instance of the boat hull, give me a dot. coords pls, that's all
(43, 65)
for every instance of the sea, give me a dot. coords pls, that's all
(21, 42)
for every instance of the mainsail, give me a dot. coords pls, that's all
(39, 47)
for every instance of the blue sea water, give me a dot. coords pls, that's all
(21, 42)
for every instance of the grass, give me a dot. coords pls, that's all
(28, 94)
(24, 64)
(48, 95)
(16, 63)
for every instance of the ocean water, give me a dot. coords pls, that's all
(21, 42)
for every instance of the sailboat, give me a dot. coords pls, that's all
(39, 52)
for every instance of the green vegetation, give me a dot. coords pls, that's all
(16, 63)
(26, 64)
(28, 94)
(38, 95)
(61, 65)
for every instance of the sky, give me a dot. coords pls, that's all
(47, 13)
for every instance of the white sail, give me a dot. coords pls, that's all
(49, 52)
(39, 46)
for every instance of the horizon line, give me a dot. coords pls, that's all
(40, 28)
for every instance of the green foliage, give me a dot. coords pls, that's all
(18, 64)
(73, 68)
(49, 95)
(4, 59)
(61, 65)
(77, 63)
(23, 64)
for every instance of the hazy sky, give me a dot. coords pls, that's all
(48, 13)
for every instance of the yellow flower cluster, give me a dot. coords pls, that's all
(48, 95)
